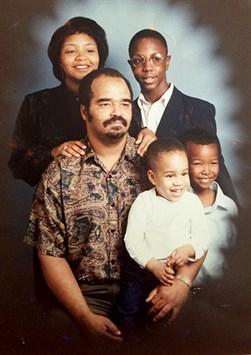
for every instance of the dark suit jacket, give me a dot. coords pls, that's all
(184, 112)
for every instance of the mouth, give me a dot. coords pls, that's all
(177, 192)
(149, 80)
(82, 67)
(205, 180)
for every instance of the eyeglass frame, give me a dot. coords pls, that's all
(150, 59)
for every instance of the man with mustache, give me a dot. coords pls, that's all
(80, 210)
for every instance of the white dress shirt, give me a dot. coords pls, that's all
(157, 226)
(220, 219)
(152, 113)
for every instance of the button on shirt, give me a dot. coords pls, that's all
(80, 212)
(152, 113)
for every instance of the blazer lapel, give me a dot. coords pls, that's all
(174, 110)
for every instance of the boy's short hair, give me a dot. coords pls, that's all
(199, 136)
(146, 33)
(159, 146)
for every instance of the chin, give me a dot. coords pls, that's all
(116, 134)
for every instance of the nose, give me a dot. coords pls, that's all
(116, 110)
(147, 65)
(80, 55)
(206, 169)
(178, 181)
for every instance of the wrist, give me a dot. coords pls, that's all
(152, 264)
(184, 280)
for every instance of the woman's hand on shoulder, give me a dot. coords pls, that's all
(69, 149)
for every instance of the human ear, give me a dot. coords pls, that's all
(83, 112)
(151, 176)
(168, 59)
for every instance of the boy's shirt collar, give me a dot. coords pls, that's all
(164, 98)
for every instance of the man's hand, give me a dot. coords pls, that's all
(166, 298)
(144, 138)
(69, 149)
(100, 327)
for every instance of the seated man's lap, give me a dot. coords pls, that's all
(102, 299)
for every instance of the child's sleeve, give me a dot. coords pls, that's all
(135, 241)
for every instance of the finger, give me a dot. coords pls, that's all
(112, 328)
(167, 282)
(162, 313)
(174, 315)
(139, 138)
(71, 150)
(143, 148)
(157, 305)
(76, 150)
(152, 294)
(65, 151)
(146, 141)
(169, 272)
(80, 144)
(113, 338)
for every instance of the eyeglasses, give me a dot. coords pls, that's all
(139, 60)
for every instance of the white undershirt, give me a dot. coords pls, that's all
(151, 113)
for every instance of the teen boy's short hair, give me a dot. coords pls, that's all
(146, 33)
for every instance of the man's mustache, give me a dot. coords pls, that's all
(114, 119)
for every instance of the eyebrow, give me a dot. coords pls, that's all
(110, 99)
(74, 44)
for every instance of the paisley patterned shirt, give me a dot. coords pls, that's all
(80, 212)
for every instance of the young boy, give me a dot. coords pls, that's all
(220, 211)
(166, 229)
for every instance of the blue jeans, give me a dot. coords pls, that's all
(136, 285)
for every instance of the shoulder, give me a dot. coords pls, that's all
(43, 97)
(61, 169)
(192, 199)
(189, 195)
(146, 196)
(193, 101)
(43, 93)
(225, 202)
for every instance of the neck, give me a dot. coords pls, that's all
(108, 151)
(72, 86)
(154, 95)
(207, 197)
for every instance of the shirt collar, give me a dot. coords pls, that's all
(164, 98)
(130, 151)
(220, 197)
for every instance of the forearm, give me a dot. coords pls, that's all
(60, 279)
(189, 271)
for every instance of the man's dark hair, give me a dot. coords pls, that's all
(146, 33)
(159, 146)
(85, 93)
(199, 136)
(73, 26)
